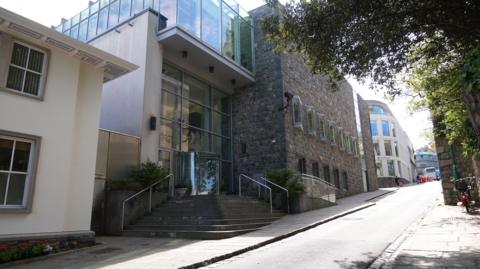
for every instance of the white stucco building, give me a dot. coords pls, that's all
(394, 152)
(50, 96)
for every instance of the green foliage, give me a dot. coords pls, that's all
(125, 185)
(286, 178)
(434, 43)
(21, 251)
(148, 173)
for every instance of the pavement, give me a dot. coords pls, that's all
(146, 253)
(445, 237)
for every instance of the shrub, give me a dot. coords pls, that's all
(148, 173)
(287, 179)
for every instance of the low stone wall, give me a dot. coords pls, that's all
(450, 194)
(389, 182)
(301, 203)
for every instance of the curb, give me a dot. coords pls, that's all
(383, 194)
(275, 239)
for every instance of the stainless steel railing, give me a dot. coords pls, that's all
(150, 189)
(282, 188)
(259, 184)
(319, 188)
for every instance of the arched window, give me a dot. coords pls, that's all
(376, 110)
(297, 112)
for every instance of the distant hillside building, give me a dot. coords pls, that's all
(393, 149)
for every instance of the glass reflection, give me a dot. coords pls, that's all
(189, 15)
(211, 23)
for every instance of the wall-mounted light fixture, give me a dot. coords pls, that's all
(289, 97)
(153, 123)
(211, 69)
(233, 81)
(184, 54)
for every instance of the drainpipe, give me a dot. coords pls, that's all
(454, 163)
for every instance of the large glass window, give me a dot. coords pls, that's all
(92, 26)
(373, 127)
(211, 23)
(391, 168)
(15, 170)
(137, 6)
(102, 20)
(125, 9)
(228, 31)
(376, 110)
(189, 15)
(385, 128)
(26, 70)
(82, 32)
(388, 148)
(113, 14)
(246, 42)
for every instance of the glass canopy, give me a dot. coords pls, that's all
(221, 24)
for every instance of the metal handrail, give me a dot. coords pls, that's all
(284, 189)
(255, 181)
(150, 188)
(318, 179)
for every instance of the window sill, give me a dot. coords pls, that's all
(15, 210)
(15, 92)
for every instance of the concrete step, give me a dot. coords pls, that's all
(217, 215)
(172, 228)
(203, 235)
(201, 221)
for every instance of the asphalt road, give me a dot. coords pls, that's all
(353, 241)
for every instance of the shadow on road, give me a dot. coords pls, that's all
(347, 264)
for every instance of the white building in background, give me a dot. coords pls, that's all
(50, 96)
(394, 152)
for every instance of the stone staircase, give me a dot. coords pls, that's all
(204, 217)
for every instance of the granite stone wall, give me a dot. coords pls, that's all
(372, 180)
(266, 138)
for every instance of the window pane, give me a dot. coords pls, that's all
(221, 146)
(189, 15)
(3, 187)
(385, 128)
(32, 83)
(137, 6)
(21, 157)
(226, 177)
(113, 14)
(196, 90)
(16, 188)
(221, 124)
(391, 168)
(246, 45)
(221, 101)
(228, 33)
(170, 106)
(197, 116)
(82, 33)
(76, 19)
(124, 9)
(66, 25)
(19, 55)
(15, 78)
(35, 61)
(74, 32)
(103, 3)
(172, 72)
(373, 126)
(169, 10)
(84, 14)
(6, 147)
(388, 148)
(211, 23)
(169, 135)
(92, 26)
(198, 141)
(94, 8)
(102, 20)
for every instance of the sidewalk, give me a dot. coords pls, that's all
(146, 253)
(446, 237)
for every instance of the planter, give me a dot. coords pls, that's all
(181, 192)
(298, 203)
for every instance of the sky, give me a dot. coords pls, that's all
(50, 12)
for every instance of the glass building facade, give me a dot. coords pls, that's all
(222, 25)
(195, 131)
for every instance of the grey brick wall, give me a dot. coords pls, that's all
(269, 135)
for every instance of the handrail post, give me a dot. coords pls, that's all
(150, 201)
(271, 206)
(240, 185)
(288, 203)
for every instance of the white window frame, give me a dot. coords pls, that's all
(321, 118)
(43, 75)
(34, 141)
(333, 133)
(311, 123)
(297, 104)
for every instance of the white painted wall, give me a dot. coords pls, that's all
(67, 121)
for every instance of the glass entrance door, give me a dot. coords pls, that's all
(208, 179)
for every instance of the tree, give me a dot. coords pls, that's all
(391, 39)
